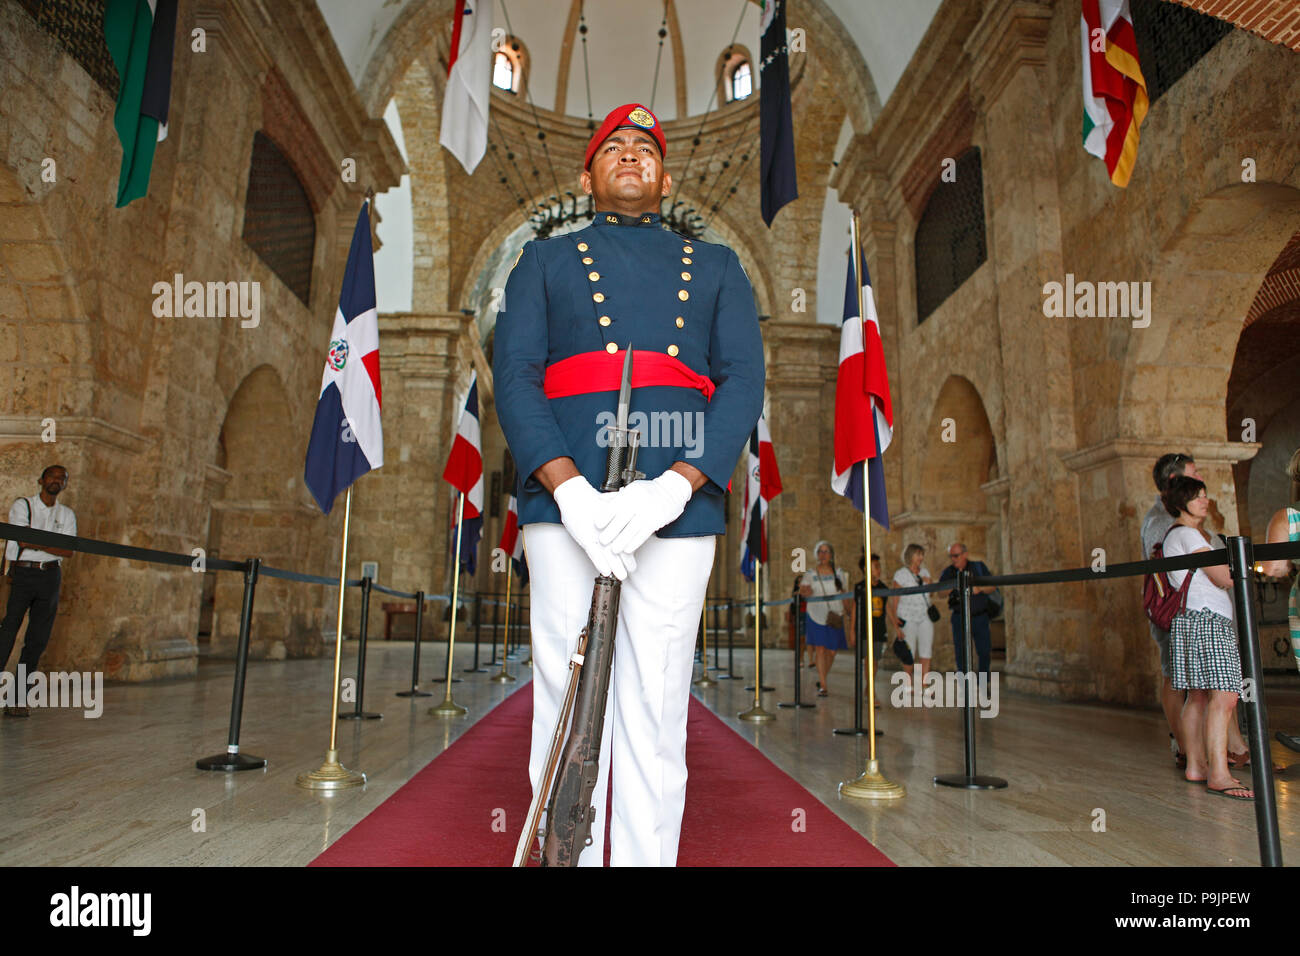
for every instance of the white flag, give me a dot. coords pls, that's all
(469, 84)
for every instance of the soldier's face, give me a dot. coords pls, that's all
(627, 170)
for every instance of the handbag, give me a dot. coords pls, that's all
(902, 651)
(931, 611)
(833, 618)
(1160, 599)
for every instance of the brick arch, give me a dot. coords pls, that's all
(1275, 20)
(1204, 284)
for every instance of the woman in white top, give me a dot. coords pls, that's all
(1203, 643)
(909, 612)
(822, 633)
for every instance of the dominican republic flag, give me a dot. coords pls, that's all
(1114, 92)
(465, 472)
(763, 483)
(775, 127)
(864, 418)
(347, 439)
(512, 542)
(139, 35)
(469, 84)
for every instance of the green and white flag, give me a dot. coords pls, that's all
(140, 35)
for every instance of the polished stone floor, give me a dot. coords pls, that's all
(123, 790)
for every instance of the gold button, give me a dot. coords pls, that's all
(688, 249)
(587, 260)
(672, 350)
(681, 323)
(611, 348)
(686, 277)
(683, 295)
(593, 276)
(582, 247)
(598, 297)
(605, 320)
(686, 260)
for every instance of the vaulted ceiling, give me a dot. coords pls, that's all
(622, 48)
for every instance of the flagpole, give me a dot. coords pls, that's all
(757, 713)
(332, 775)
(705, 680)
(448, 707)
(871, 784)
(503, 677)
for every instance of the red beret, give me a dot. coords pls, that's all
(630, 116)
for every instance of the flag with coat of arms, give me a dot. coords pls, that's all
(347, 438)
(763, 483)
(464, 472)
(864, 417)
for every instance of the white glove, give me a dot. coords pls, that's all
(642, 508)
(584, 511)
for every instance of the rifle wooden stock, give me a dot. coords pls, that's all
(569, 813)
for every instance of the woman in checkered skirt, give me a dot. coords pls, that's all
(1203, 643)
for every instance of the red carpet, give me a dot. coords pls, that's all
(739, 805)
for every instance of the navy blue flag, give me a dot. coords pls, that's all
(776, 129)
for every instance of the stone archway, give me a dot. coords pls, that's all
(255, 510)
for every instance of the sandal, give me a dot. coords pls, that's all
(822, 693)
(1241, 761)
(1226, 791)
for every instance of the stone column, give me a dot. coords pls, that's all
(1055, 636)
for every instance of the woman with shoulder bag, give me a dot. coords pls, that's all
(1204, 659)
(913, 614)
(825, 628)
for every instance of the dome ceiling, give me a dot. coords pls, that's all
(623, 45)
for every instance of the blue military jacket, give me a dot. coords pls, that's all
(628, 280)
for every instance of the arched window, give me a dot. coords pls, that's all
(509, 65)
(950, 243)
(279, 224)
(735, 74)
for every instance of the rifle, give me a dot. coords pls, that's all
(572, 763)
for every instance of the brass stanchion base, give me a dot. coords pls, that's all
(872, 785)
(502, 678)
(705, 680)
(529, 662)
(331, 775)
(756, 713)
(448, 708)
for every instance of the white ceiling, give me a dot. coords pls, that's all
(622, 43)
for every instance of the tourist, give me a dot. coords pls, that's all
(911, 612)
(1285, 526)
(824, 622)
(980, 606)
(1203, 653)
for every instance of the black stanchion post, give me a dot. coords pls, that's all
(1241, 558)
(731, 631)
(758, 664)
(496, 627)
(968, 678)
(359, 712)
(797, 609)
(857, 730)
(415, 659)
(717, 650)
(478, 629)
(232, 759)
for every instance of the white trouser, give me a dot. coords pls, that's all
(645, 717)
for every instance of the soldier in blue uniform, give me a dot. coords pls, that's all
(573, 304)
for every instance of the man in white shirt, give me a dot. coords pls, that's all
(36, 573)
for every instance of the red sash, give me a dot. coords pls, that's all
(603, 372)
